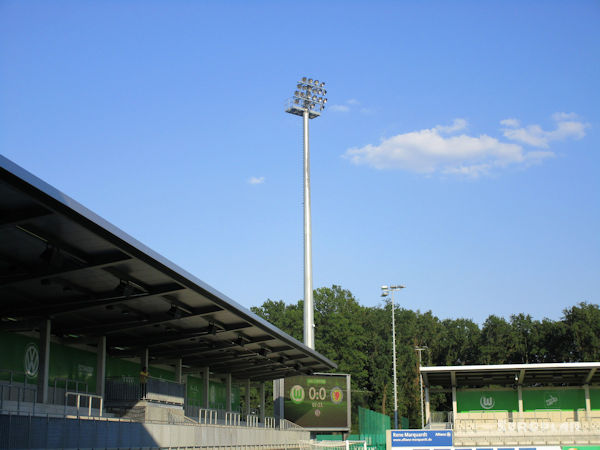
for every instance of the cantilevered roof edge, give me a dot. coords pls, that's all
(510, 367)
(62, 203)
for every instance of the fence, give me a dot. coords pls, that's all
(24, 394)
(127, 390)
(89, 397)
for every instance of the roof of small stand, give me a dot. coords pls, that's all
(575, 374)
(61, 261)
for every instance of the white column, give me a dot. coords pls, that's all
(427, 407)
(206, 384)
(278, 398)
(454, 406)
(520, 393)
(228, 395)
(588, 402)
(263, 403)
(179, 371)
(101, 366)
(44, 361)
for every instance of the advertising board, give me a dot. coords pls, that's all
(319, 402)
(419, 438)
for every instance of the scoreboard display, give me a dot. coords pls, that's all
(318, 402)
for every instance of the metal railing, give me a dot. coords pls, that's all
(126, 389)
(287, 425)
(67, 382)
(21, 395)
(232, 418)
(89, 397)
(11, 376)
(207, 416)
(252, 420)
(269, 422)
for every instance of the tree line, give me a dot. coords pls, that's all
(358, 339)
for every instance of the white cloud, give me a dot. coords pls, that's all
(256, 180)
(457, 125)
(430, 151)
(350, 105)
(513, 123)
(567, 126)
(339, 108)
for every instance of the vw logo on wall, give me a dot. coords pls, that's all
(31, 360)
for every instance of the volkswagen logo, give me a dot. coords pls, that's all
(32, 360)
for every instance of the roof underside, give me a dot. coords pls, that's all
(60, 261)
(559, 374)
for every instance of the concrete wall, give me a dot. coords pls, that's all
(27, 431)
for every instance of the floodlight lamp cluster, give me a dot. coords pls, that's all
(385, 289)
(310, 94)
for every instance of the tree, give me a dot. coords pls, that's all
(497, 341)
(583, 330)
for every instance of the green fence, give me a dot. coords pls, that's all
(372, 427)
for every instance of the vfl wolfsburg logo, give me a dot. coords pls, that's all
(297, 394)
(31, 360)
(337, 395)
(487, 402)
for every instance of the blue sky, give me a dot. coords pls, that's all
(458, 154)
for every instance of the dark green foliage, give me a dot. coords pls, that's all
(358, 339)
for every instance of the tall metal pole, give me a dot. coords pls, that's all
(309, 327)
(420, 349)
(385, 291)
(308, 101)
(394, 355)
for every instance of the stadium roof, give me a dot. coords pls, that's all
(513, 374)
(59, 260)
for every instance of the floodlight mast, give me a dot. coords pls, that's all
(308, 102)
(389, 291)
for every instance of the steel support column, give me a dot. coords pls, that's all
(101, 366)
(228, 395)
(206, 384)
(44, 361)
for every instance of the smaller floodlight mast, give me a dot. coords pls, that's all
(385, 291)
(308, 102)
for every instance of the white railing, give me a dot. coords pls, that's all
(78, 396)
(251, 420)
(269, 422)
(287, 425)
(67, 382)
(207, 416)
(232, 418)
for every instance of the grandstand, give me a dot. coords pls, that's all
(517, 404)
(84, 308)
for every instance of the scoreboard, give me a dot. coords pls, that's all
(319, 402)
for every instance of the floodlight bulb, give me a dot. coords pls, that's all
(299, 85)
(310, 81)
(322, 83)
(304, 79)
(296, 101)
(324, 92)
(324, 100)
(316, 82)
(296, 93)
